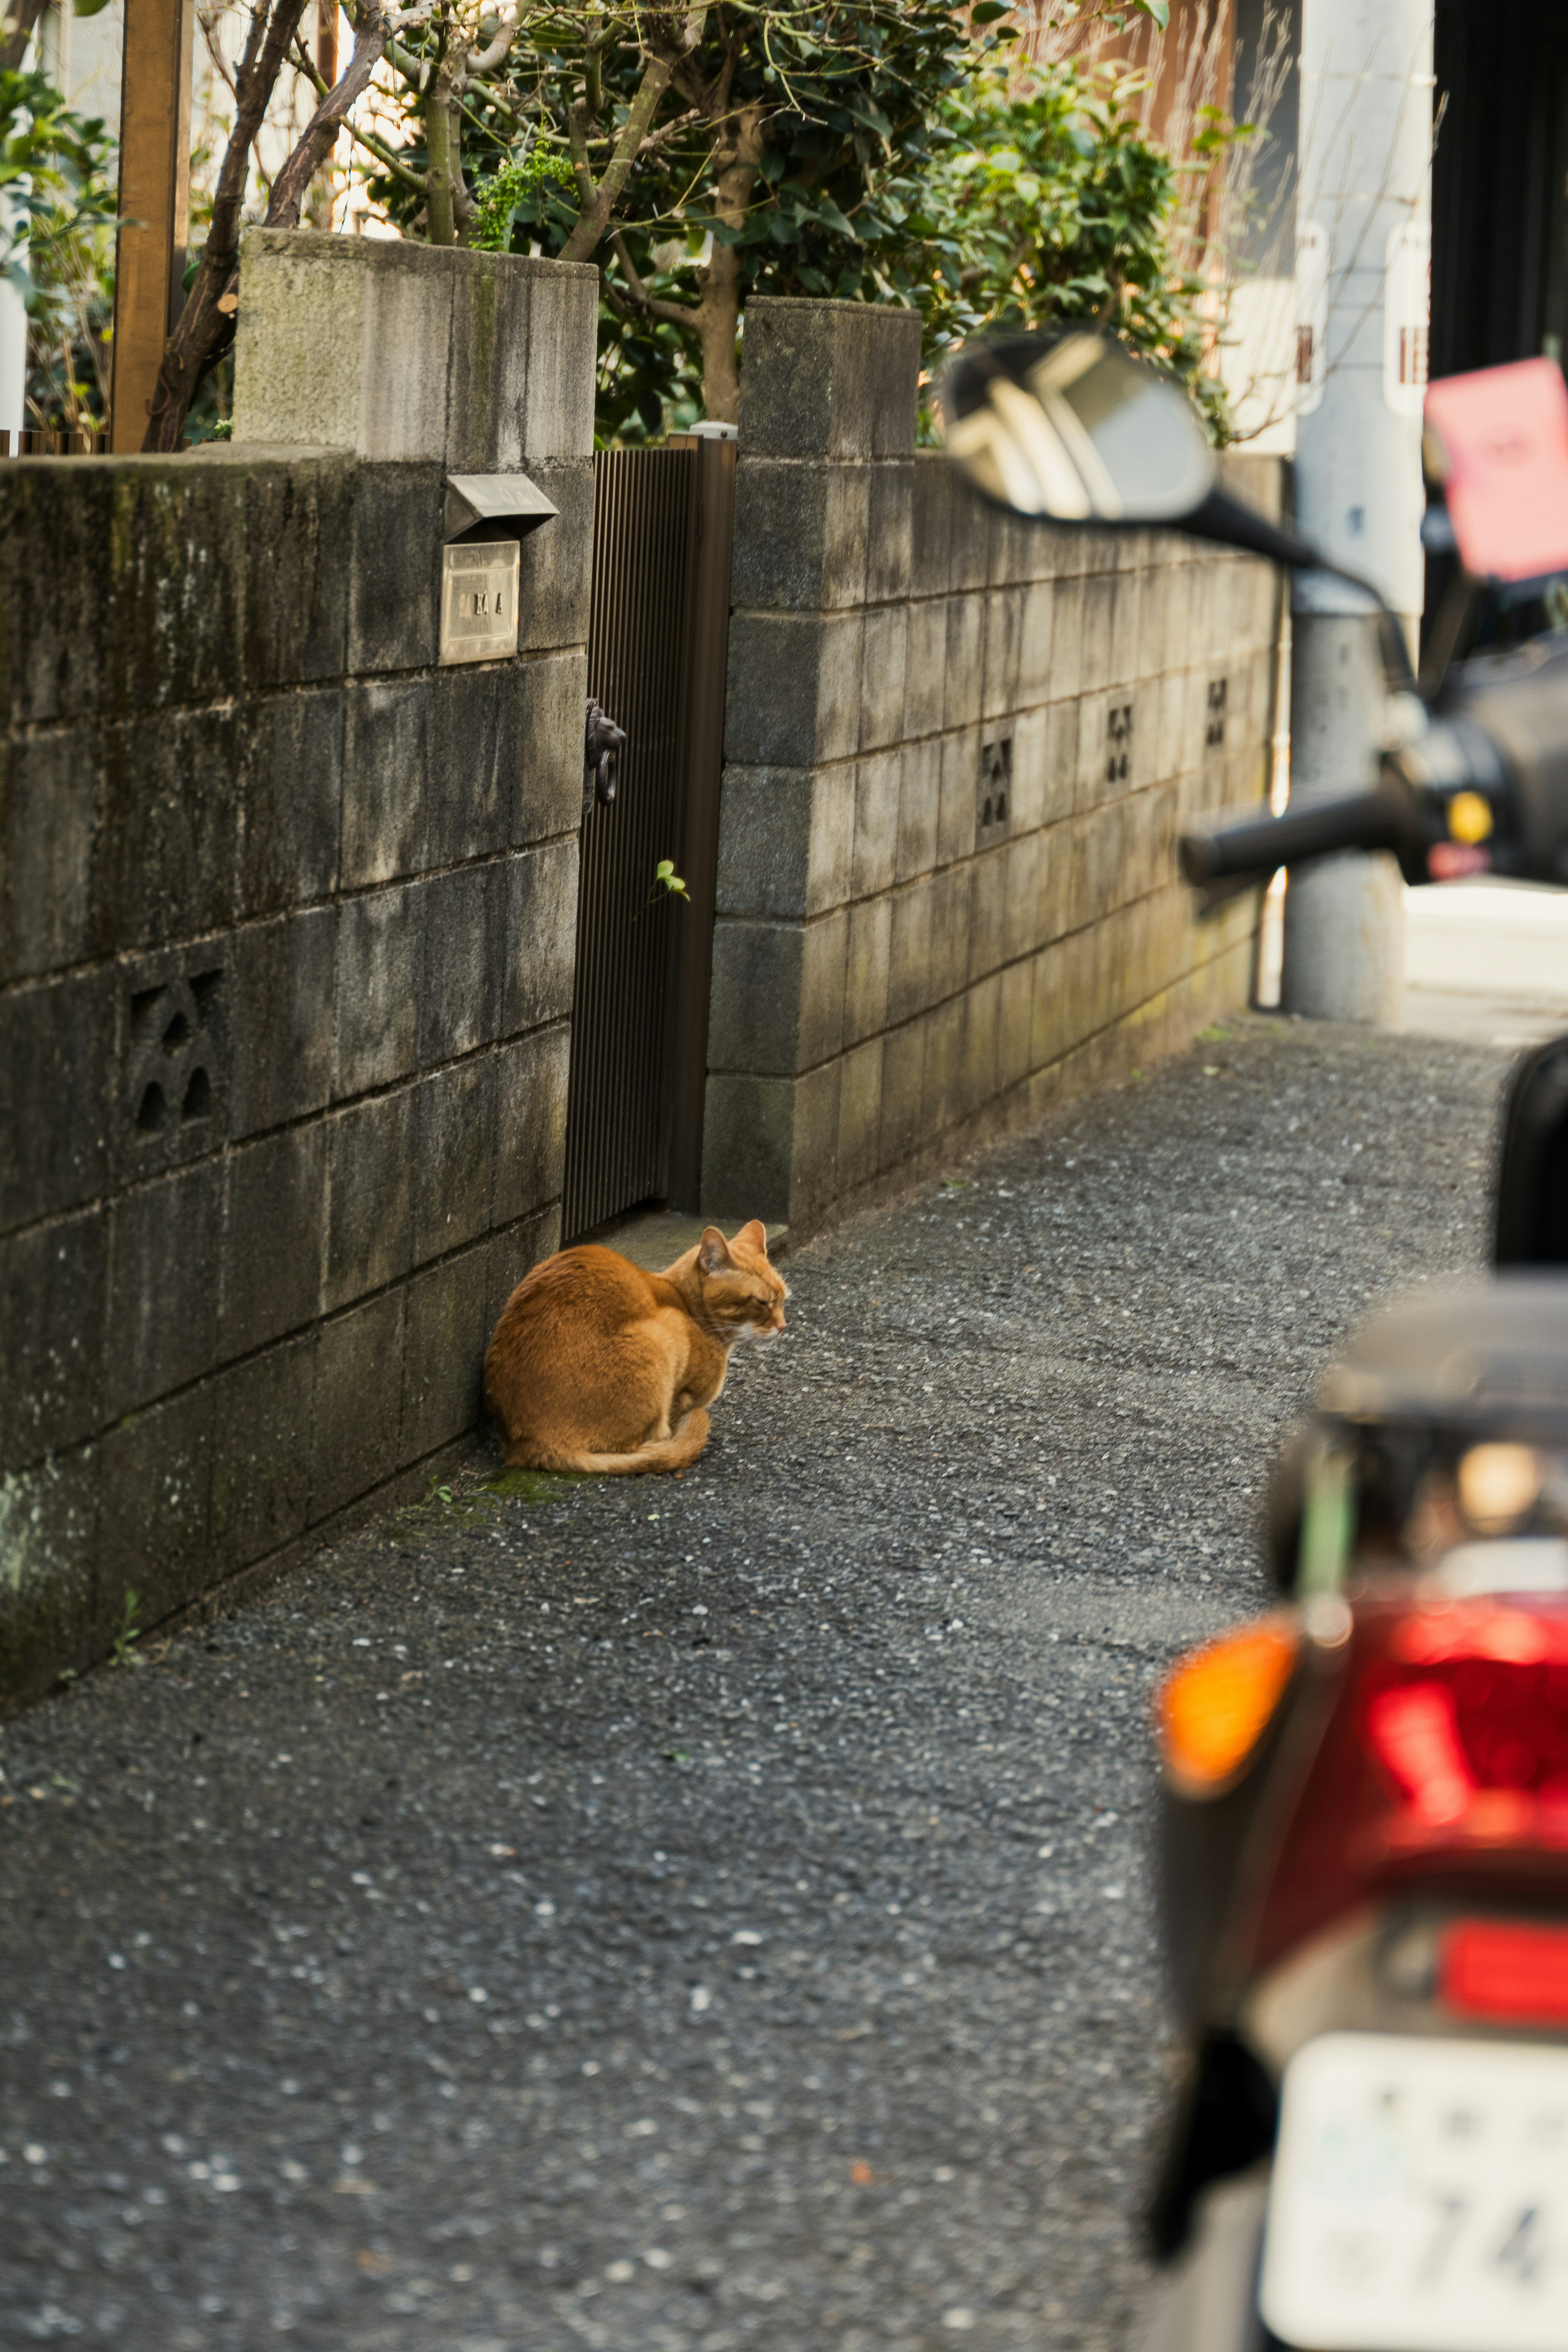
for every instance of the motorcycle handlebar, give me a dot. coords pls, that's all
(1373, 820)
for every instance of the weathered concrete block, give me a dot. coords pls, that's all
(1036, 642)
(275, 1227)
(282, 991)
(1048, 1039)
(454, 1141)
(463, 927)
(1031, 742)
(920, 807)
(370, 1234)
(878, 788)
(747, 1145)
(859, 1115)
(786, 841)
(386, 777)
(889, 531)
(163, 1287)
(951, 890)
(970, 530)
(794, 688)
(262, 1453)
(556, 565)
(156, 1487)
(904, 1093)
(1067, 638)
(801, 535)
(51, 798)
(988, 925)
(56, 1044)
(466, 802)
(546, 699)
(49, 1563)
(379, 953)
(296, 583)
(169, 853)
(777, 1005)
(883, 658)
(531, 1125)
(943, 1095)
(925, 667)
(982, 1014)
(495, 352)
(933, 488)
(910, 951)
(828, 380)
(444, 1350)
(357, 1414)
(292, 801)
(957, 817)
(868, 956)
(541, 937)
(1020, 927)
(964, 660)
(394, 567)
(1014, 1024)
(53, 1295)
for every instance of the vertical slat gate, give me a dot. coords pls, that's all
(657, 636)
(640, 1008)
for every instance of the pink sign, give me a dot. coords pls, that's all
(1502, 437)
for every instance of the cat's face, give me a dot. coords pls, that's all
(743, 1295)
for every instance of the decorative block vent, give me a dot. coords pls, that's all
(1214, 726)
(176, 1072)
(993, 802)
(1117, 743)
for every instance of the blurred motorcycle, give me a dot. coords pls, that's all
(1363, 1831)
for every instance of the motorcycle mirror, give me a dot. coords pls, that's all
(1069, 428)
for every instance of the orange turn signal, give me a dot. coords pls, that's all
(1214, 1705)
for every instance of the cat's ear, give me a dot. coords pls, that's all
(713, 1252)
(754, 1235)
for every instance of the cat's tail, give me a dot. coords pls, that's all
(671, 1453)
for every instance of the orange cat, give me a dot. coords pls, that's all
(597, 1365)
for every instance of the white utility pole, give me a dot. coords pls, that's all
(1363, 267)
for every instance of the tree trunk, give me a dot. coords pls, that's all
(440, 142)
(204, 328)
(717, 319)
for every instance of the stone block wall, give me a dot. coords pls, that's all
(287, 935)
(958, 749)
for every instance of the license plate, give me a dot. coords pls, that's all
(1419, 2198)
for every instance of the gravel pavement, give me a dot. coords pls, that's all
(653, 1913)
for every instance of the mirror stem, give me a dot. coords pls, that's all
(1226, 520)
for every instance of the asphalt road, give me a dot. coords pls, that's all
(653, 1914)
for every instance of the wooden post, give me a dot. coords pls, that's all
(154, 203)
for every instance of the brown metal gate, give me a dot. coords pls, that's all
(658, 643)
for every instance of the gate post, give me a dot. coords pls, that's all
(823, 505)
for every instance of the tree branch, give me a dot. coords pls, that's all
(678, 314)
(203, 331)
(593, 219)
(321, 133)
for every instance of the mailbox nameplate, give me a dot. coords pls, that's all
(479, 600)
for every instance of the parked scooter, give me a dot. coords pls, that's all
(1363, 1836)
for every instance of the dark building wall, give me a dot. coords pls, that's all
(1497, 199)
(286, 925)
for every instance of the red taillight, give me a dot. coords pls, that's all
(1468, 1713)
(1439, 1739)
(1516, 1974)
